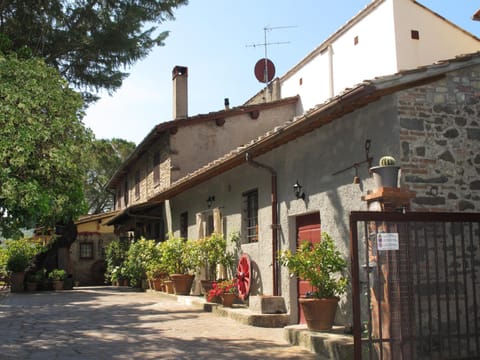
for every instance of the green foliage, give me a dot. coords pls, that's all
(37, 276)
(3, 260)
(213, 251)
(139, 256)
(20, 254)
(115, 256)
(180, 256)
(89, 42)
(156, 268)
(105, 158)
(57, 275)
(43, 147)
(386, 161)
(320, 264)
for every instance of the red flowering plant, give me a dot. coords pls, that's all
(222, 287)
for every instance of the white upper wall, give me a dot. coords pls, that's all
(438, 38)
(376, 42)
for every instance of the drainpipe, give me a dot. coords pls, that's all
(273, 174)
(330, 71)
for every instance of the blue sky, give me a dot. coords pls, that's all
(213, 39)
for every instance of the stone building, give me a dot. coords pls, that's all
(426, 118)
(324, 127)
(87, 252)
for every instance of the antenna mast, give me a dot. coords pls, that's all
(265, 44)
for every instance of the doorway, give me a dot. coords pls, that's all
(307, 228)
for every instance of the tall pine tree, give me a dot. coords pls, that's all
(91, 42)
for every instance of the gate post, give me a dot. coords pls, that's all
(386, 312)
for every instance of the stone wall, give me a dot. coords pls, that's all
(440, 142)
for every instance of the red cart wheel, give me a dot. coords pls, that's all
(243, 276)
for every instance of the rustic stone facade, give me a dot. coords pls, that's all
(440, 142)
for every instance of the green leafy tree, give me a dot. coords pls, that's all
(89, 41)
(42, 146)
(20, 254)
(106, 158)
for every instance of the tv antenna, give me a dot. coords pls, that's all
(265, 64)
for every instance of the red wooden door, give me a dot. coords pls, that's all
(308, 228)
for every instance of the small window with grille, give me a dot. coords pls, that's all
(156, 168)
(250, 203)
(184, 225)
(137, 184)
(86, 250)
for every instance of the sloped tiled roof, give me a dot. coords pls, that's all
(349, 101)
(87, 218)
(192, 120)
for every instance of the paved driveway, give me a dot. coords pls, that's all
(105, 323)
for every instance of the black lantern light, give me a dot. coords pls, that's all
(210, 201)
(297, 190)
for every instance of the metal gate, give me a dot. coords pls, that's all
(415, 285)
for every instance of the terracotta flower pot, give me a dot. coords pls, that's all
(206, 287)
(17, 280)
(169, 286)
(319, 313)
(57, 284)
(182, 283)
(157, 284)
(31, 286)
(228, 299)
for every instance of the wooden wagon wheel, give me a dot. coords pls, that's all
(244, 272)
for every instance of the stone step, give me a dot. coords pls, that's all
(332, 344)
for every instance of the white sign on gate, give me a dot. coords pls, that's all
(387, 241)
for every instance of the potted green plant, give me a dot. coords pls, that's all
(321, 264)
(57, 276)
(20, 255)
(213, 252)
(386, 173)
(181, 258)
(115, 257)
(156, 273)
(34, 278)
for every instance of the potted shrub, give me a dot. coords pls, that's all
(115, 257)
(181, 259)
(35, 278)
(321, 264)
(139, 255)
(213, 252)
(20, 255)
(156, 274)
(57, 276)
(386, 173)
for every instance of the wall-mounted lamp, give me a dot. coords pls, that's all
(297, 190)
(210, 201)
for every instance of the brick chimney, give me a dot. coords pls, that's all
(180, 92)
